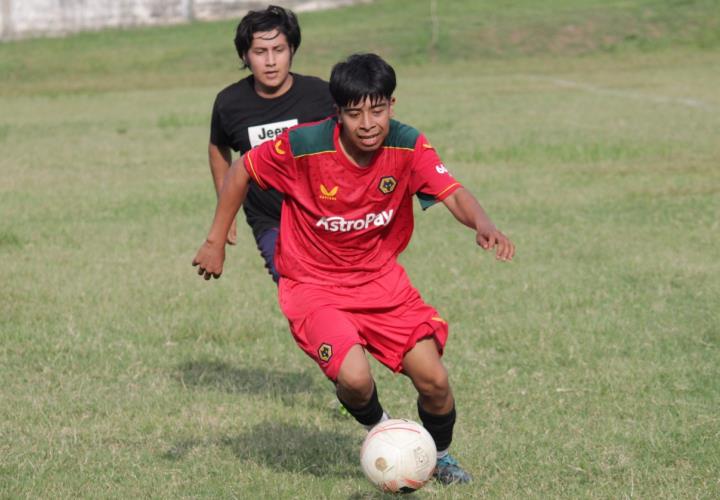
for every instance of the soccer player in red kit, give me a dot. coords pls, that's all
(347, 214)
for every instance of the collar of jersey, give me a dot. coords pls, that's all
(342, 157)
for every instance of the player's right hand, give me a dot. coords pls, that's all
(232, 234)
(209, 260)
(490, 237)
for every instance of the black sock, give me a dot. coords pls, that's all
(440, 427)
(370, 414)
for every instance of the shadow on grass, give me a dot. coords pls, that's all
(287, 447)
(252, 380)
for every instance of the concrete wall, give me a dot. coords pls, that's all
(26, 18)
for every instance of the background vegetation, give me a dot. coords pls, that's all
(589, 367)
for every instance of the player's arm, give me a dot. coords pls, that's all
(465, 207)
(220, 159)
(211, 255)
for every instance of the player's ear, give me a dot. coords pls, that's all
(337, 113)
(392, 108)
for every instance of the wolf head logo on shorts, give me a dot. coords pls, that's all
(325, 352)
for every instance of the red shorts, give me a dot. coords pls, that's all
(386, 316)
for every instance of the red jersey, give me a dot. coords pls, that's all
(342, 224)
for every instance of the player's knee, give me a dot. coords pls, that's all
(354, 378)
(354, 381)
(356, 386)
(434, 385)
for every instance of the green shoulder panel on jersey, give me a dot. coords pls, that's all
(426, 200)
(401, 136)
(312, 139)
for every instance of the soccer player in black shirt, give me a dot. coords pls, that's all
(258, 108)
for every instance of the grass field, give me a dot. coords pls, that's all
(587, 368)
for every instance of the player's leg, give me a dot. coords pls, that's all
(266, 244)
(356, 388)
(354, 384)
(329, 336)
(422, 364)
(436, 405)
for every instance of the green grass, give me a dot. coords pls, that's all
(588, 368)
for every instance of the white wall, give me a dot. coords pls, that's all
(25, 18)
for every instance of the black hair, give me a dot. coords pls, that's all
(361, 76)
(272, 18)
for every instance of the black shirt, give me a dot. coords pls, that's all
(241, 120)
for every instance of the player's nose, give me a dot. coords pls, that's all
(366, 122)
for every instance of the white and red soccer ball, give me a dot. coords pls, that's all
(398, 456)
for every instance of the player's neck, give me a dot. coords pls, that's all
(272, 92)
(356, 156)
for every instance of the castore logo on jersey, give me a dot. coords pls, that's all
(328, 194)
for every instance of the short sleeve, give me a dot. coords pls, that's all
(430, 180)
(271, 164)
(218, 136)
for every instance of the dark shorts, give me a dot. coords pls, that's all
(266, 244)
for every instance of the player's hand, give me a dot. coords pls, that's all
(210, 259)
(490, 237)
(232, 234)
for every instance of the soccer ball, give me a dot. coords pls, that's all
(398, 456)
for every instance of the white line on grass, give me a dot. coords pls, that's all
(684, 101)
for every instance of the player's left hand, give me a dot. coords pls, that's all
(210, 259)
(489, 238)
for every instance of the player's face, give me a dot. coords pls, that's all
(365, 126)
(269, 59)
